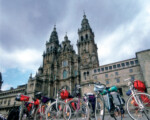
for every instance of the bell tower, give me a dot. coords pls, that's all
(52, 48)
(87, 49)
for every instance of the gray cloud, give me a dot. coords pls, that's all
(28, 24)
(25, 23)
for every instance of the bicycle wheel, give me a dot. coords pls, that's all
(58, 110)
(99, 108)
(136, 111)
(79, 109)
(40, 112)
(117, 113)
(91, 111)
(21, 110)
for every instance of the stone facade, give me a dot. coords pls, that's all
(62, 66)
(114, 74)
(144, 62)
(7, 98)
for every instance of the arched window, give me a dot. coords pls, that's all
(84, 75)
(81, 38)
(54, 77)
(66, 87)
(64, 47)
(65, 63)
(75, 73)
(87, 73)
(64, 74)
(54, 91)
(51, 48)
(86, 36)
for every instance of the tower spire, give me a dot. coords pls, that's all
(85, 23)
(66, 37)
(54, 27)
(54, 36)
(84, 15)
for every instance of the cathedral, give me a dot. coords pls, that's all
(63, 67)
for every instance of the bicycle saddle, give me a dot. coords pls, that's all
(45, 99)
(38, 95)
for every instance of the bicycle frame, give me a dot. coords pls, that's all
(78, 105)
(134, 92)
(108, 101)
(57, 99)
(108, 105)
(21, 110)
(138, 101)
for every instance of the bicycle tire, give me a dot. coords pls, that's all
(40, 112)
(58, 107)
(135, 107)
(92, 113)
(79, 110)
(21, 108)
(99, 108)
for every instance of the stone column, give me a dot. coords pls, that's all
(70, 86)
(55, 89)
(49, 89)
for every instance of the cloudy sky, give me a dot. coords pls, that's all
(121, 27)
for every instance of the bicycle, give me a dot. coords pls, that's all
(82, 107)
(105, 99)
(79, 108)
(44, 103)
(27, 109)
(89, 99)
(58, 109)
(138, 103)
(2, 117)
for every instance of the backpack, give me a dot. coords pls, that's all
(117, 99)
(92, 100)
(145, 99)
(128, 93)
(139, 85)
(106, 101)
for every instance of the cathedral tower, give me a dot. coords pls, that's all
(87, 49)
(50, 55)
(50, 61)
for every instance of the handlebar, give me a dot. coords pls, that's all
(34, 99)
(59, 90)
(89, 83)
(128, 79)
(80, 85)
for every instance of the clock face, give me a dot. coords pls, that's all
(88, 60)
(85, 59)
